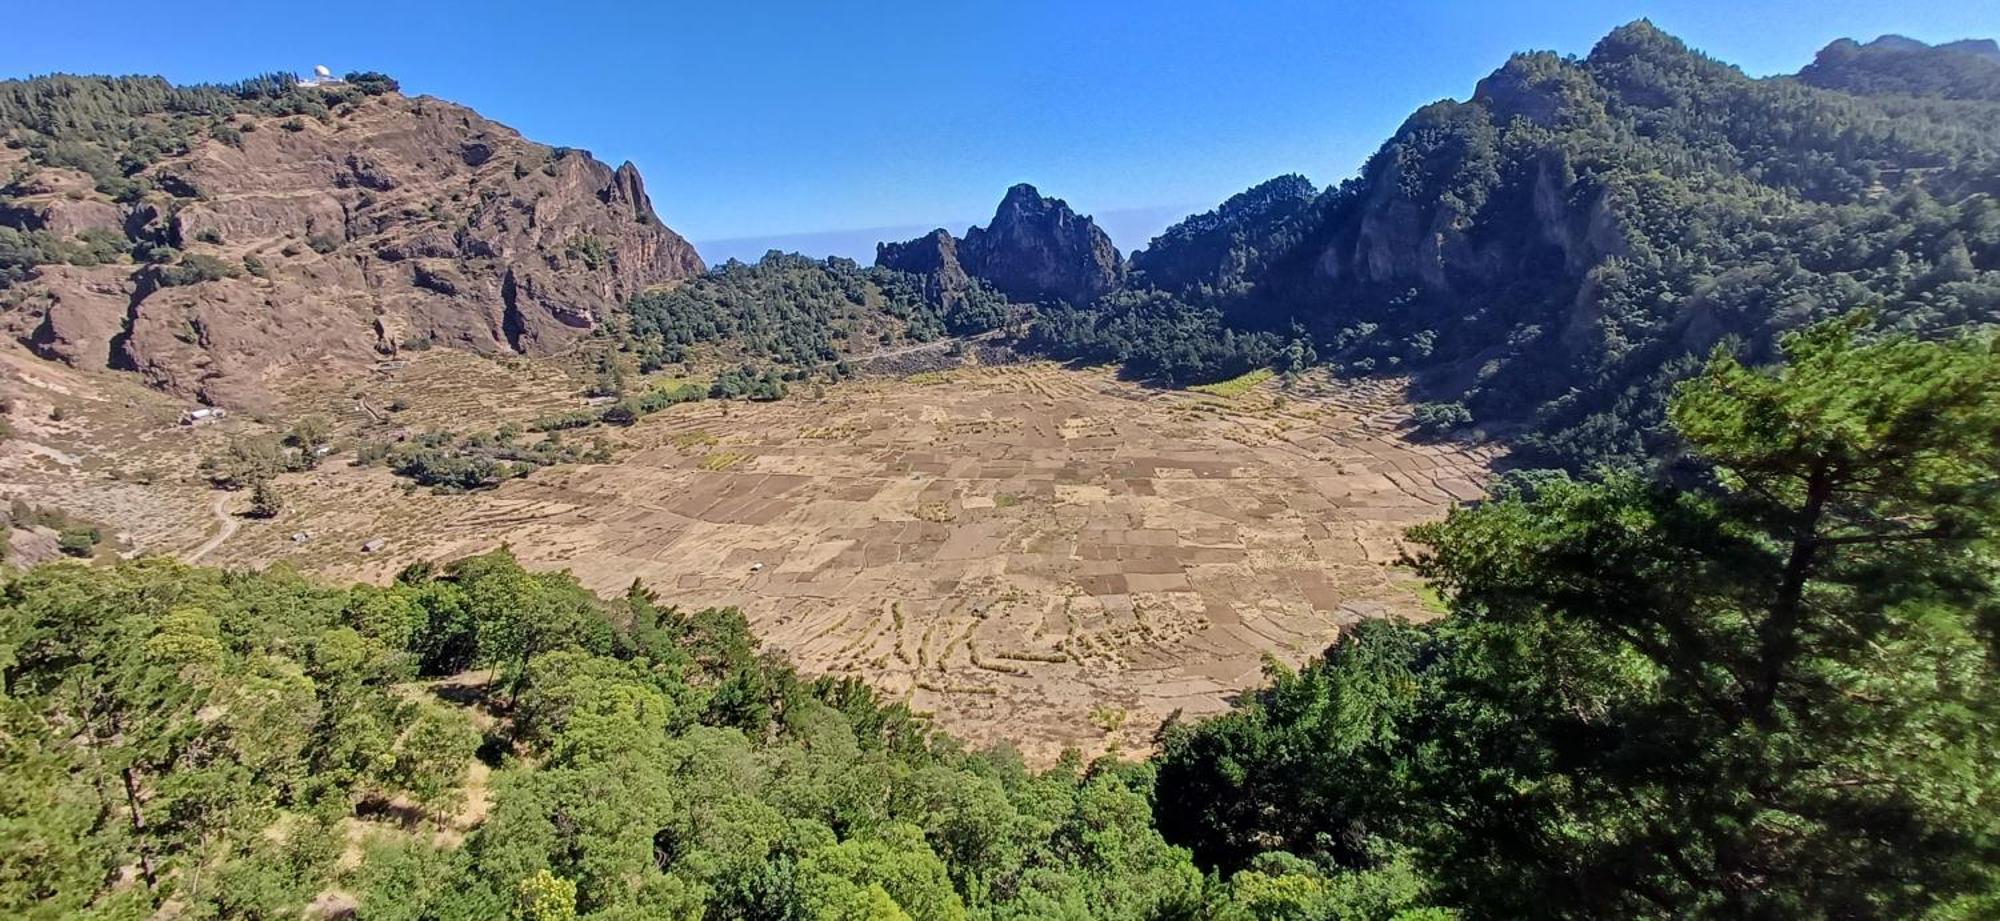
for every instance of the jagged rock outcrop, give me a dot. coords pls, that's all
(1035, 248)
(934, 253)
(401, 222)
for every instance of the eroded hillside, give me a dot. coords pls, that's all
(243, 244)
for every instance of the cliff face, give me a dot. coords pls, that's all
(1035, 248)
(401, 223)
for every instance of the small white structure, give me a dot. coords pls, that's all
(321, 77)
(756, 567)
(374, 546)
(202, 415)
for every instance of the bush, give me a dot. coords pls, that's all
(747, 383)
(372, 83)
(323, 243)
(1440, 418)
(227, 134)
(195, 268)
(78, 541)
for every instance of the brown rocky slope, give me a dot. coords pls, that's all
(396, 223)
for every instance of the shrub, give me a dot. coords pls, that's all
(78, 541)
(195, 268)
(1439, 418)
(227, 134)
(373, 83)
(323, 243)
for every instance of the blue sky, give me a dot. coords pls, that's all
(826, 125)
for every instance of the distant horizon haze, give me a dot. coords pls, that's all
(807, 127)
(1129, 228)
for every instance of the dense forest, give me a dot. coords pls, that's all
(799, 313)
(1768, 693)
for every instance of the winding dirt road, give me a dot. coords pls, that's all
(227, 529)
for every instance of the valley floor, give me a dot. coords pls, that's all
(1041, 556)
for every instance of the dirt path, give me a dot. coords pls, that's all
(935, 345)
(227, 530)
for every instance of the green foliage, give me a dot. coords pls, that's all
(1439, 418)
(799, 313)
(1901, 67)
(1153, 334)
(373, 83)
(590, 251)
(456, 463)
(747, 383)
(78, 541)
(250, 459)
(115, 128)
(1229, 249)
(195, 268)
(191, 713)
(21, 251)
(651, 763)
(1767, 694)
(309, 434)
(1568, 244)
(266, 501)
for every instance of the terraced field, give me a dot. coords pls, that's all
(1046, 556)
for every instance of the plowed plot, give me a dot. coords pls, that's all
(1040, 556)
(1034, 554)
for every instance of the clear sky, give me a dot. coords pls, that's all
(830, 124)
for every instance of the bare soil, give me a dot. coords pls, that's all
(1040, 556)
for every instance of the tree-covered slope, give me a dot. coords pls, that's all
(190, 743)
(1233, 244)
(1893, 65)
(1557, 250)
(800, 313)
(1770, 694)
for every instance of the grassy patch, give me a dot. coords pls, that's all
(694, 439)
(718, 461)
(1236, 386)
(1429, 597)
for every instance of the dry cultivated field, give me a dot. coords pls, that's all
(1044, 556)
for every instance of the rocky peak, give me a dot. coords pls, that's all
(934, 253)
(1035, 248)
